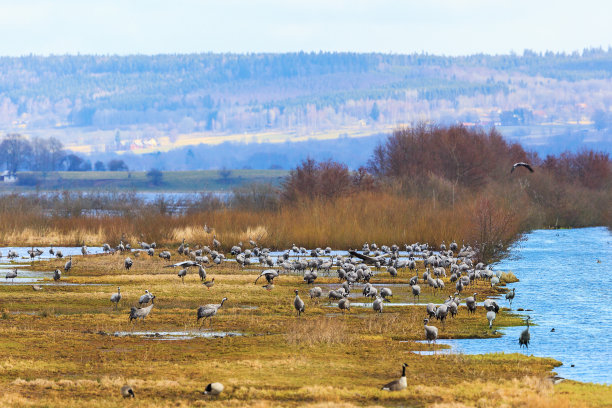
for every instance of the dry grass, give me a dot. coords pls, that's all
(343, 223)
(326, 330)
(322, 359)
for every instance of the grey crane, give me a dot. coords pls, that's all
(344, 304)
(315, 292)
(470, 302)
(431, 332)
(127, 391)
(84, 250)
(215, 388)
(298, 303)
(489, 305)
(51, 251)
(208, 311)
(37, 287)
(521, 164)
(116, 297)
(416, 292)
(128, 263)
(146, 298)
(183, 264)
(68, 264)
(510, 296)
(181, 274)
(209, 284)
(441, 313)
(269, 286)
(11, 275)
(181, 247)
(142, 312)
(216, 243)
(201, 272)
(57, 275)
(377, 305)
(431, 310)
(386, 293)
(399, 384)
(269, 274)
(490, 318)
(525, 337)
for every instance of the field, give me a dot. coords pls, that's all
(172, 181)
(58, 348)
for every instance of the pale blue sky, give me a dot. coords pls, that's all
(182, 26)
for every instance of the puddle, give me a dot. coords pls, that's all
(176, 335)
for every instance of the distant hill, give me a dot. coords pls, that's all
(104, 105)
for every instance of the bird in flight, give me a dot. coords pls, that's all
(521, 164)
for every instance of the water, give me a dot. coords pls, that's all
(568, 290)
(178, 335)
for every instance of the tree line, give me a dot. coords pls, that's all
(18, 153)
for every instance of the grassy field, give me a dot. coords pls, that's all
(57, 346)
(172, 181)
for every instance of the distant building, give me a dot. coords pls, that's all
(6, 177)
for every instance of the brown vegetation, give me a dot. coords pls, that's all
(425, 184)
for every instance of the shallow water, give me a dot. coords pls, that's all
(177, 335)
(568, 290)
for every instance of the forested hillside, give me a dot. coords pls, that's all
(145, 104)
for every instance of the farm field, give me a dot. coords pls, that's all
(172, 181)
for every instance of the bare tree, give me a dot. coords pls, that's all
(15, 151)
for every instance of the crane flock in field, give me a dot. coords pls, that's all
(357, 268)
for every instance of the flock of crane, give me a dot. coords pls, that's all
(358, 267)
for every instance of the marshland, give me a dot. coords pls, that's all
(64, 342)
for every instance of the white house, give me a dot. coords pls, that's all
(6, 177)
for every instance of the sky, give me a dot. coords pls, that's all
(448, 27)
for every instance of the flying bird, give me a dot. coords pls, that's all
(521, 164)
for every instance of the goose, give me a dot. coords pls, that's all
(525, 336)
(127, 392)
(209, 284)
(431, 332)
(298, 303)
(490, 318)
(37, 287)
(11, 275)
(377, 305)
(269, 286)
(141, 313)
(208, 311)
(214, 389)
(399, 384)
(116, 297)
